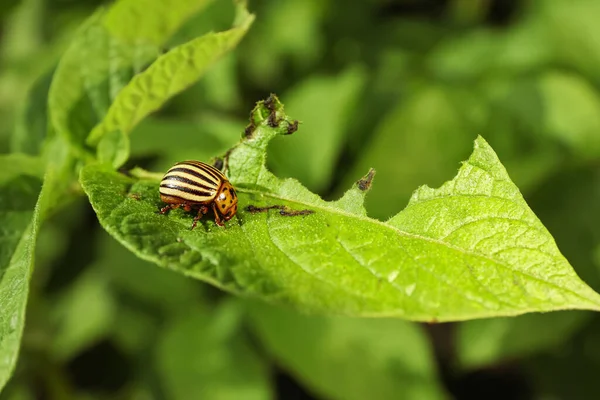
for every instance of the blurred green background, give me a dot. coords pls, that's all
(403, 86)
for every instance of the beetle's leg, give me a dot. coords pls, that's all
(187, 207)
(196, 219)
(217, 218)
(169, 207)
(201, 211)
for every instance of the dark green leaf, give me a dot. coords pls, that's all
(20, 183)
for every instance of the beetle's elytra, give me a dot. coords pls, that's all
(194, 184)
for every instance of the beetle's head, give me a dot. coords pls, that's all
(226, 201)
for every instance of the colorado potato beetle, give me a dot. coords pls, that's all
(194, 184)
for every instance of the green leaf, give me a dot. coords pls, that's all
(170, 74)
(491, 341)
(21, 175)
(350, 358)
(20, 183)
(470, 249)
(324, 106)
(111, 47)
(204, 356)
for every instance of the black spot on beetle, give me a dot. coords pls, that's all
(223, 206)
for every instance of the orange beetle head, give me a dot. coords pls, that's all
(226, 201)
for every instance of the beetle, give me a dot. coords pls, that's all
(194, 184)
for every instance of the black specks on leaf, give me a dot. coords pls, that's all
(286, 212)
(365, 182)
(283, 210)
(271, 103)
(253, 209)
(293, 127)
(249, 129)
(272, 120)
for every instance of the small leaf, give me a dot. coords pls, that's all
(168, 75)
(204, 356)
(21, 177)
(111, 47)
(469, 249)
(350, 358)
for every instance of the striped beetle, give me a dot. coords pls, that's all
(191, 184)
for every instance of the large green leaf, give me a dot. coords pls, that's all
(112, 46)
(20, 183)
(471, 248)
(350, 358)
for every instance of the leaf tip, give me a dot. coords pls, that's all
(269, 113)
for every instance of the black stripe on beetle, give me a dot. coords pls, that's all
(180, 178)
(184, 190)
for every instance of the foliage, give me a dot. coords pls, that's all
(354, 226)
